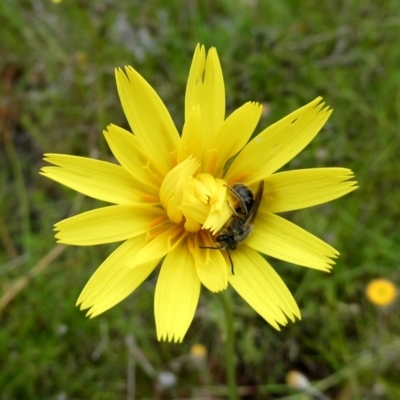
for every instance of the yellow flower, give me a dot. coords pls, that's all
(171, 198)
(381, 292)
(198, 352)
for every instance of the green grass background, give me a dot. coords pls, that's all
(57, 95)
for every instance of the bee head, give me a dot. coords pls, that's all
(226, 241)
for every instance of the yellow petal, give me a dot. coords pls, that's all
(219, 212)
(257, 282)
(159, 246)
(127, 150)
(205, 87)
(210, 264)
(112, 282)
(106, 225)
(148, 117)
(278, 144)
(195, 80)
(279, 238)
(212, 101)
(293, 190)
(98, 179)
(192, 139)
(177, 294)
(232, 136)
(194, 209)
(174, 186)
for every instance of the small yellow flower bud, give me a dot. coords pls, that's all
(381, 292)
(198, 352)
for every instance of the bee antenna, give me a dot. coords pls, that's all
(230, 259)
(219, 248)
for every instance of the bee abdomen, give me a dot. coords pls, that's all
(246, 194)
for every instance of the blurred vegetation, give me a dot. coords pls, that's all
(58, 93)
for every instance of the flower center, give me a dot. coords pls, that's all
(199, 201)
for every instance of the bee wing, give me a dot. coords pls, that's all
(253, 212)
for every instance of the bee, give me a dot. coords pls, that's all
(239, 226)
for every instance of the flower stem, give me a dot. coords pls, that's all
(230, 348)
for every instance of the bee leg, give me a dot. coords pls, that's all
(239, 198)
(233, 210)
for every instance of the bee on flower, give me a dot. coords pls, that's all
(173, 201)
